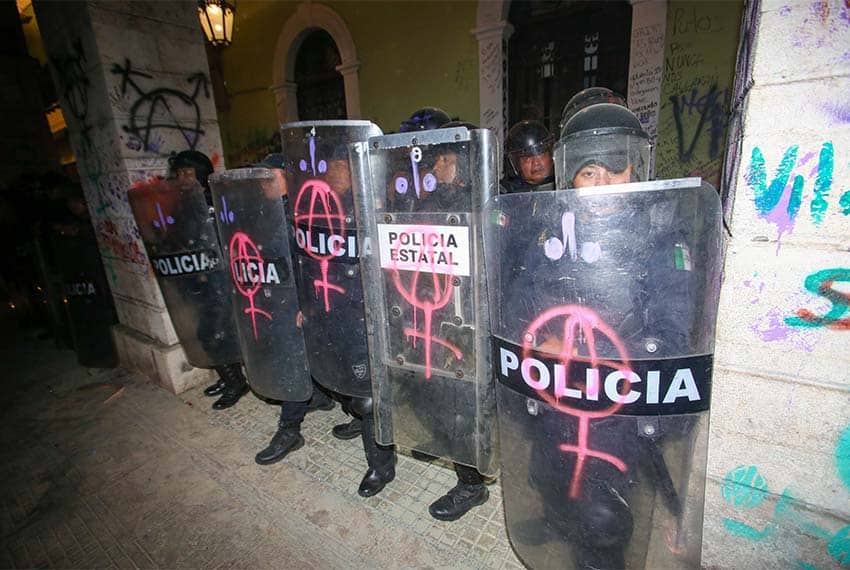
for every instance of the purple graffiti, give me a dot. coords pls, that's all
(225, 215)
(163, 219)
(322, 166)
(429, 181)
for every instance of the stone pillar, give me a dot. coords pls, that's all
(286, 101)
(492, 39)
(132, 78)
(351, 79)
(646, 65)
(779, 453)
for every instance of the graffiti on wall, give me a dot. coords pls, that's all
(780, 198)
(156, 111)
(698, 77)
(744, 488)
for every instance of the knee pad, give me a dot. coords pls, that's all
(361, 407)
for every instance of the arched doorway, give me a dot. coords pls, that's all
(560, 48)
(308, 18)
(320, 87)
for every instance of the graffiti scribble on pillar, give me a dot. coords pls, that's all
(163, 108)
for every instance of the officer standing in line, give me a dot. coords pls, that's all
(602, 255)
(529, 151)
(194, 165)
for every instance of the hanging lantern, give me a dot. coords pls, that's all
(217, 20)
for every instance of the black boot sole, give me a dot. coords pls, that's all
(282, 456)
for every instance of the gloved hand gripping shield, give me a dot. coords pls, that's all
(603, 305)
(327, 249)
(419, 197)
(256, 238)
(179, 234)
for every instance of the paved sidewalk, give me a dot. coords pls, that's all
(101, 468)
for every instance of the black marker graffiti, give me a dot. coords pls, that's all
(147, 112)
(709, 107)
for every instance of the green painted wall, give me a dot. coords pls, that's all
(412, 54)
(699, 70)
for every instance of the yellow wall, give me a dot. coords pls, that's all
(412, 54)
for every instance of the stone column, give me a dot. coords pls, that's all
(132, 78)
(286, 101)
(646, 65)
(351, 79)
(492, 61)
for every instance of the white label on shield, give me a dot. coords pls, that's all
(430, 249)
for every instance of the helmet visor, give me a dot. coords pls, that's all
(601, 158)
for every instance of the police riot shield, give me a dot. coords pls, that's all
(327, 251)
(179, 234)
(87, 299)
(255, 241)
(603, 305)
(419, 198)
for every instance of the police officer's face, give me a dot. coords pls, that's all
(599, 175)
(186, 174)
(445, 169)
(537, 168)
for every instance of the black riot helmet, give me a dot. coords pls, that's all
(586, 98)
(527, 138)
(605, 135)
(425, 119)
(191, 159)
(452, 124)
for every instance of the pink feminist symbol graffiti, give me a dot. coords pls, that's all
(324, 206)
(244, 252)
(441, 289)
(580, 322)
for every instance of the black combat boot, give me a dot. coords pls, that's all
(287, 439)
(469, 492)
(347, 431)
(235, 385)
(214, 389)
(381, 459)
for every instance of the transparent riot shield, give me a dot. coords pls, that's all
(87, 300)
(179, 234)
(603, 305)
(255, 237)
(327, 270)
(419, 198)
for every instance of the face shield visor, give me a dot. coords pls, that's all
(527, 154)
(600, 157)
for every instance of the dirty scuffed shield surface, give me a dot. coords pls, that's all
(256, 238)
(327, 250)
(603, 305)
(87, 299)
(419, 198)
(179, 234)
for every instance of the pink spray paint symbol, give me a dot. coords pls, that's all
(244, 252)
(323, 206)
(441, 289)
(581, 323)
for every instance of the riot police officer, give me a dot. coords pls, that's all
(190, 165)
(608, 281)
(529, 151)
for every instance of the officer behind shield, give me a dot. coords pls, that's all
(288, 436)
(529, 151)
(191, 165)
(470, 490)
(586, 98)
(604, 144)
